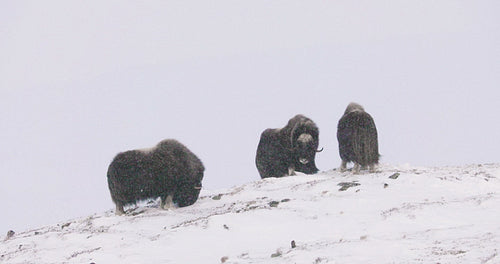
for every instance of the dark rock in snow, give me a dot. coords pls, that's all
(277, 254)
(217, 197)
(274, 203)
(10, 234)
(346, 185)
(394, 176)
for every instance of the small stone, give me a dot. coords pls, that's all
(274, 203)
(394, 176)
(277, 254)
(386, 185)
(224, 259)
(217, 197)
(346, 185)
(10, 234)
(293, 244)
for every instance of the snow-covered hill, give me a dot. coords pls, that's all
(397, 215)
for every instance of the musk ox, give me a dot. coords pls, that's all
(169, 171)
(283, 151)
(357, 137)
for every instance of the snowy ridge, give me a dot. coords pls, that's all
(397, 215)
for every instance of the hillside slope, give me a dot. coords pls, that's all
(397, 215)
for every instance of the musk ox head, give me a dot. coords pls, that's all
(305, 148)
(304, 137)
(191, 190)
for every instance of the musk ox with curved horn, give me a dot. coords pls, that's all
(282, 151)
(169, 171)
(358, 140)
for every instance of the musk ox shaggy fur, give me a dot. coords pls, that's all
(282, 151)
(357, 137)
(169, 171)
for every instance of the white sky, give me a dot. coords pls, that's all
(81, 81)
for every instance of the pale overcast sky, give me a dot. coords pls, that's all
(81, 81)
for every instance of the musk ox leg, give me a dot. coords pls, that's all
(356, 168)
(343, 166)
(119, 209)
(291, 171)
(167, 202)
(372, 168)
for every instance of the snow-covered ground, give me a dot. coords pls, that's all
(397, 215)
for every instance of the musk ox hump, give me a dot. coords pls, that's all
(299, 125)
(354, 107)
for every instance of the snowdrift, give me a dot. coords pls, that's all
(397, 215)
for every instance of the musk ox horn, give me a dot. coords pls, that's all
(319, 150)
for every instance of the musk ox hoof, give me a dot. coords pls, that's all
(118, 213)
(343, 166)
(119, 209)
(168, 203)
(356, 168)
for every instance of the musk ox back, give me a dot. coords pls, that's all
(357, 137)
(169, 171)
(283, 151)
